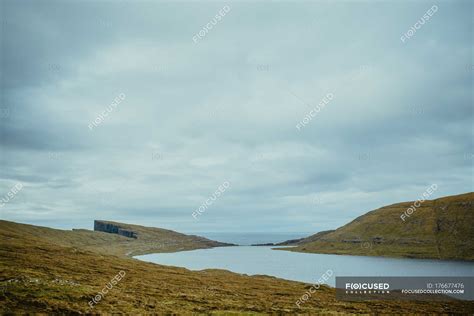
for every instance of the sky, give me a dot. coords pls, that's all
(184, 114)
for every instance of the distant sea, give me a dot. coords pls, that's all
(247, 239)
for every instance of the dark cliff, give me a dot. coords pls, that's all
(111, 228)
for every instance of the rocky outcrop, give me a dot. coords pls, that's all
(107, 227)
(266, 244)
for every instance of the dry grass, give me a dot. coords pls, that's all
(40, 275)
(439, 229)
(150, 239)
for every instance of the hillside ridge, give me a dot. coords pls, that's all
(438, 229)
(148, 239)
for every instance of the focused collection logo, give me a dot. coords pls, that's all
(404, 288)
(367, 288)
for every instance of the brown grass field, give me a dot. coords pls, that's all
(47, 271)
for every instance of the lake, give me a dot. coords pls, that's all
(305, 267)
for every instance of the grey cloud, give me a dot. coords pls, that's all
(225, 108)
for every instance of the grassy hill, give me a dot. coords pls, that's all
(149, 239)
(440, 228)
(40, 272)
(305, 240)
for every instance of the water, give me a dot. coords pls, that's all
(247, 239)
(303, 266)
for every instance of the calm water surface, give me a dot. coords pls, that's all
(303, 266)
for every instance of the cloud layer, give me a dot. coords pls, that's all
(225, 108)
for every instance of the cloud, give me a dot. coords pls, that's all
(226, 108)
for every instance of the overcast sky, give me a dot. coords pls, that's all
(225, 108)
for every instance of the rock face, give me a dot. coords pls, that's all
(106, 227)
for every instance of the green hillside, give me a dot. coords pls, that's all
(440, 228)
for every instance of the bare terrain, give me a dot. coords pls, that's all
(44, 270)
